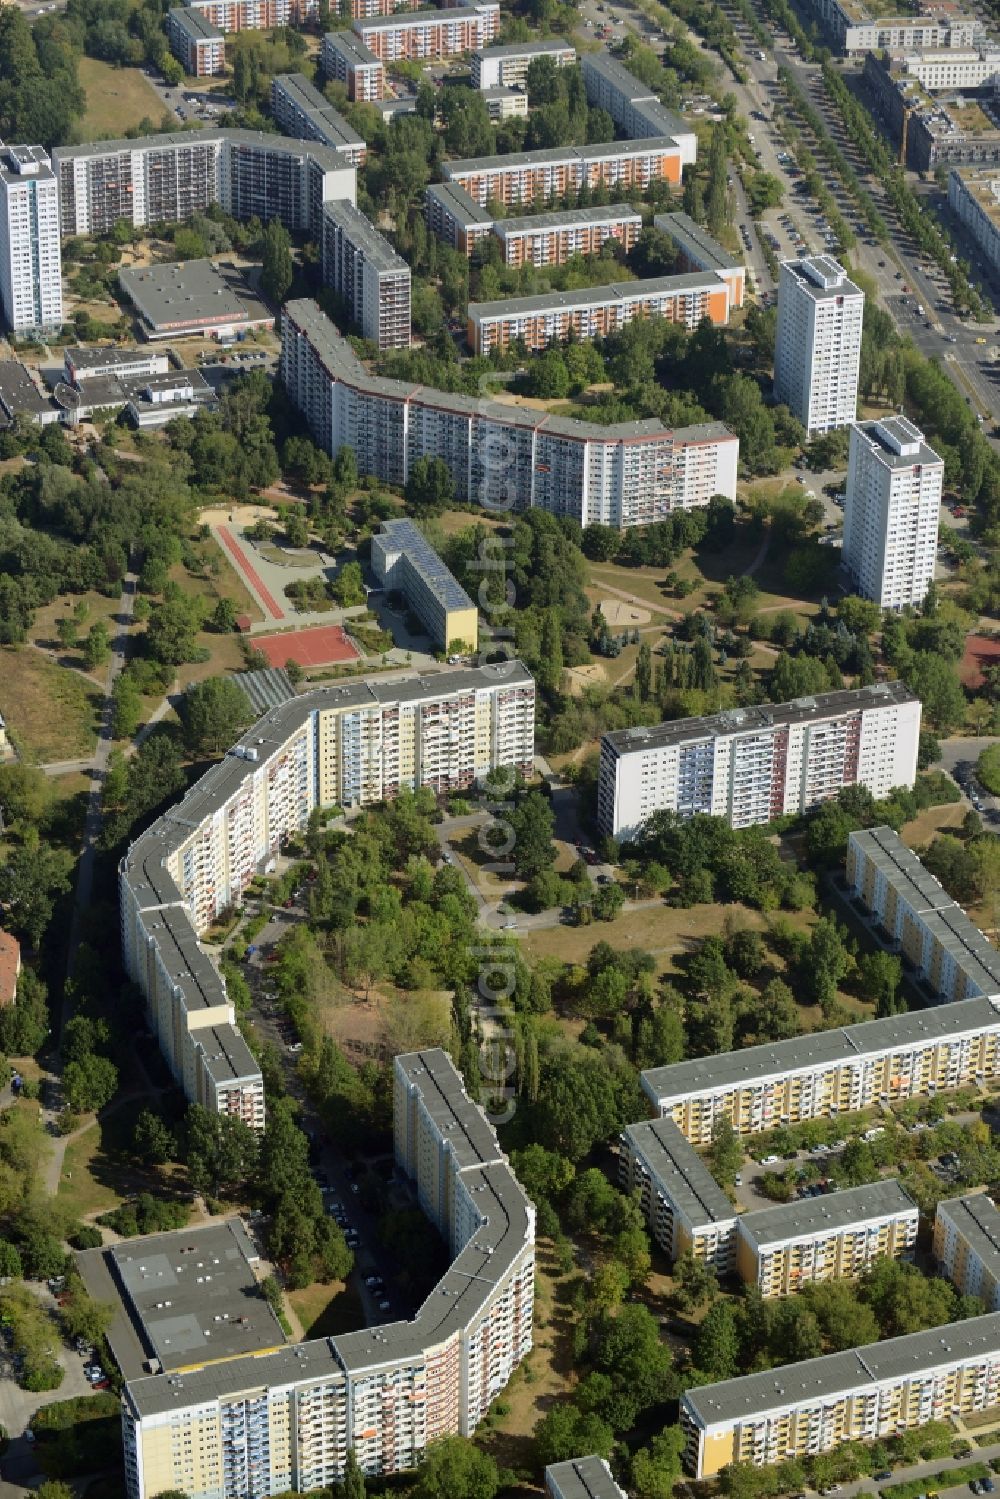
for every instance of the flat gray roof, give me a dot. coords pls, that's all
(195, 1294)
(460, 204)
(470, 1137)
(407, 537)
(94, 356)
(19, 395)
(943, 917)
(594, 296)
(159, 1393)
(25, 164)
(351, 47)
(191, 292)
(615, 73)
(848, 1373)
(697, 241)
(833, 1212)
(851, 1043)
(197, 26)
(978, 1221)
(285, 145)
(582, 1478)
(753, 720)
(821, 277)
(330, 125)
(678, 1168)
(551, 155)
(924, 455)
(562, 218)
(363, 235)
(528, 49)
(419, 18)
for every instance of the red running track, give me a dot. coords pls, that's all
(242, 562)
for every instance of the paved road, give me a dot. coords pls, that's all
(17, 1406)
(923, 1470)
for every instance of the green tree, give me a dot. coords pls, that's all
(656, 1468)
(214, 714)
(127, 707)
(880, 975)
(30, 881)
(348, 587)
(277, 269)
(566, 1432)
(353, 1486)
(717, 1347)
(725, 1152)
(224, 616)
(455, 1469)
(430, 487)
(90, 1083)
(97, 646)
(532, 825)
(695, 1282)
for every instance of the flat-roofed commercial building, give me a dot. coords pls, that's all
(581, 1478)
(819, 1076)
(285, 1420)
(301, 110)
(627, 474)
(404, 561)
(750, 765)
(507, 67)
(633, 107)
(698, 251)
(864, 1395)
(596, 311)
(894, 486)
(685, 1207)
(540, 176)
(949, 68)
(166, 178)
(553, 238)
(948, 952)
(837, 1236)
(424, 34)
(967, 1246)
(100, 361)
(194, 1296)
(817, 351)
(974, 196)
(198, 45)
(455, 217)
(347, 60)
(190, 297)
(360, 265)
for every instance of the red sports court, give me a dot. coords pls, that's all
(323, 645)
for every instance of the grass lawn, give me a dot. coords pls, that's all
(116, 98)
(665, 931)
(52, 712)
(325, 1311)
(79, 1190)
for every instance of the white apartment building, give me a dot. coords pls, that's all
(347, 746)
(974, 196)
(360, 265)
(894, 484)
(950, 69)
(165, 178)
(916, 1055)
(507, 67)
(581, 1478)
(856, 28)
(750, 765)
(30, 253)
(861, 1395)
(504, 457)
(285, 1420)
(947, 952)
(817, 352)
(837, 1236)
(685, 1207)
(967, 1246)
(633, 107)
(301, 110)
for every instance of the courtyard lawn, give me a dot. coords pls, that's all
(117, 99)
